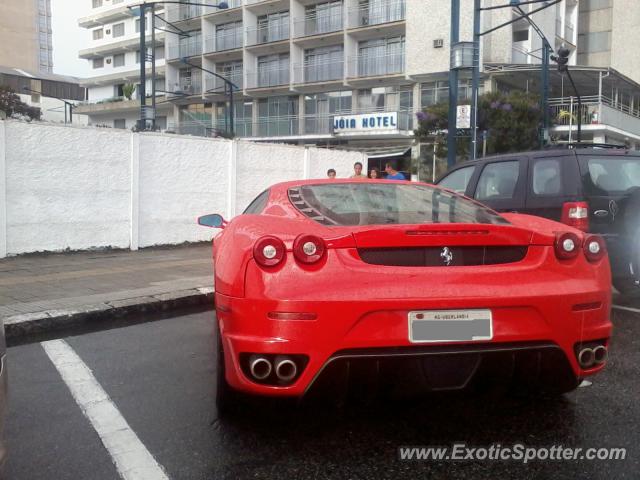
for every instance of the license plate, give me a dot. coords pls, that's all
(450, 326)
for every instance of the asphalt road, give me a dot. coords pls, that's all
(160, 378)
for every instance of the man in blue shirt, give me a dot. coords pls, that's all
(392, 173)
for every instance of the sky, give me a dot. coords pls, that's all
(68, 37)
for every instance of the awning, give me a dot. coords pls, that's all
(379, 151)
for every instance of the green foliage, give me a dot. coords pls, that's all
(11, 104)
(512, 122)
(128, 90)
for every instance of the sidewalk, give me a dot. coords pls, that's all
(46, 291)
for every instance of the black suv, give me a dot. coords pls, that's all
(594, 189)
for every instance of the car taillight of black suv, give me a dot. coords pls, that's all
(594, 189)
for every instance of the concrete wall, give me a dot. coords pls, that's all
(64, 187)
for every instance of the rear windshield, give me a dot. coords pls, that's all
(606, 175)
(387, 203)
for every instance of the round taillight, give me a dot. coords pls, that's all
(269, 251)
(594, 248)
(309, 248)
(567, 245)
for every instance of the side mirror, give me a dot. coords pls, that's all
(214, 221)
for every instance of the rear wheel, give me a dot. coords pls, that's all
(627, 288)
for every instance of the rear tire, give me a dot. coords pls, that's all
(627, 288)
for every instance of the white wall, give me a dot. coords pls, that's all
(67, 187)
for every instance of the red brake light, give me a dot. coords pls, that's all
(594, 248)
(269, 251)
(576, 214)
(567, 245)
(309, 248)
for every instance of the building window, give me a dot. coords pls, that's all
(120, 123)
(98, 34)
(118, 90)
(595, 42)
(381, 56)
(118, 30)
(118, 60)
(323, 63)
(521, 35)
(277, 116)
(97, 3)
(590, 5)
(432, 93)
(98, 62)
(385, 99)
(228, 36)
(273, 27)
(159, 53)
(273, 70)
(319, 109)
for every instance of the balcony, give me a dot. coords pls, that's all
(215, 85)
(223, 41)
(596, 111)
(268, 77)
(180, 13)
(267, 34)
(184, 49)
(318, 71)
(370, 65)
(377, 13)
(317, 25)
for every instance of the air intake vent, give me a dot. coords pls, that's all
(442, 256)
(438, 43)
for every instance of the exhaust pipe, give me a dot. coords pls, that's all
(586, 357)
(286, 369)
(600, 354)
(259, 367)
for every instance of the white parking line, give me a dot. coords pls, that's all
(131, 458)
(627, 309)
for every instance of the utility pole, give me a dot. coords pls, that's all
(142, 88)
(453, 86)
(475, 79)
(153, 65)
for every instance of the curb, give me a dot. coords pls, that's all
(33, 323)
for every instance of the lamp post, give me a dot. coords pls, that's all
(66, 104)
(141, 9)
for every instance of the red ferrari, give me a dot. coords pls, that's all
(326, 281)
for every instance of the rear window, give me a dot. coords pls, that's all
(386, 203)
(605, 175)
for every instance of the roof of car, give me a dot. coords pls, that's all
(321, 181)
(553, 152)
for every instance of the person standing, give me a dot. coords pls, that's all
(392, 173)
(357, 168)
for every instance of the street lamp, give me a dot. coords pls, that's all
(141, 9)
(66, 104)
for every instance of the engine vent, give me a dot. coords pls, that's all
(442, 256)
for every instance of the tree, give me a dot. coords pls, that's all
(128, 90)
(11, 105)
(512, 122)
